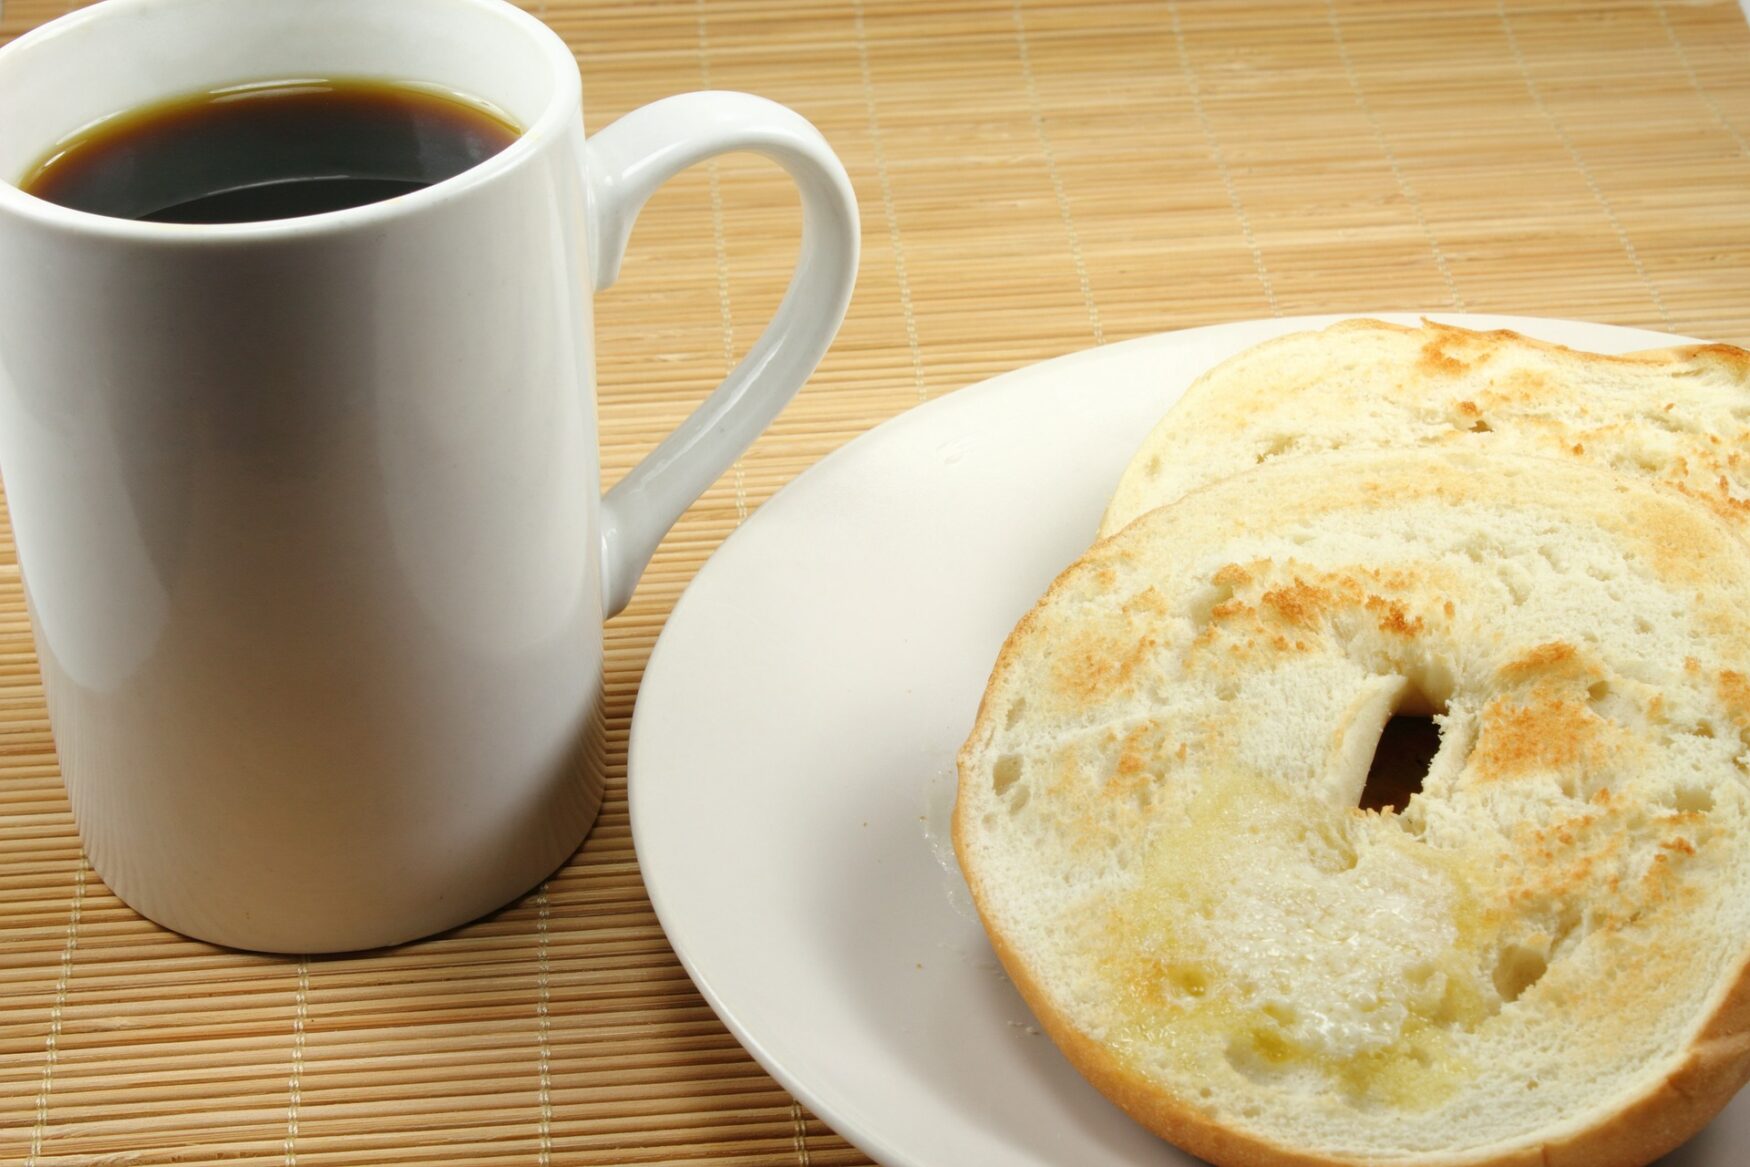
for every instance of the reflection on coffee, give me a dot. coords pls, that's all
(270, 150)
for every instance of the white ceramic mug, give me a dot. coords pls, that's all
(308, 509)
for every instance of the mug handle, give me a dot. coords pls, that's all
(625, 163)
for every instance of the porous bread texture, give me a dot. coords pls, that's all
(1540, 959)
(1679, 415)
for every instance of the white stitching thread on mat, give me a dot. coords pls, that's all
(799, 1136)
(295, 1079)
(1069, 227)
(52, 1043)
(1391, 156)
(720, 244)
(905, 306)
(1561, 133)
(1219, 157)
(543, 1028)
(1694, 79)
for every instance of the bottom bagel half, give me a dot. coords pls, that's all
(1539, 958)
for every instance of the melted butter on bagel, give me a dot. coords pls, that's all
(1159, 814)
(1202, 968)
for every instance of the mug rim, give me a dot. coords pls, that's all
(552, 122)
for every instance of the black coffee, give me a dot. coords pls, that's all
(269, 150)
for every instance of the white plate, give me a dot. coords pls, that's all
(792, 756)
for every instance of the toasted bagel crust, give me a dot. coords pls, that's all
(1549, 938)
(1678, 415)
(1666, 1116)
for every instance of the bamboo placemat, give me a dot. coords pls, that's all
(1035, 178)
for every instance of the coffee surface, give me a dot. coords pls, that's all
(270, 150)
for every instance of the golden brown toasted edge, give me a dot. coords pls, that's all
(1735, 360)
(1453, 346)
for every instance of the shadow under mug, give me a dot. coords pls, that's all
(308, 509)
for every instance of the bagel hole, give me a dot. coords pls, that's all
(1406, 748)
